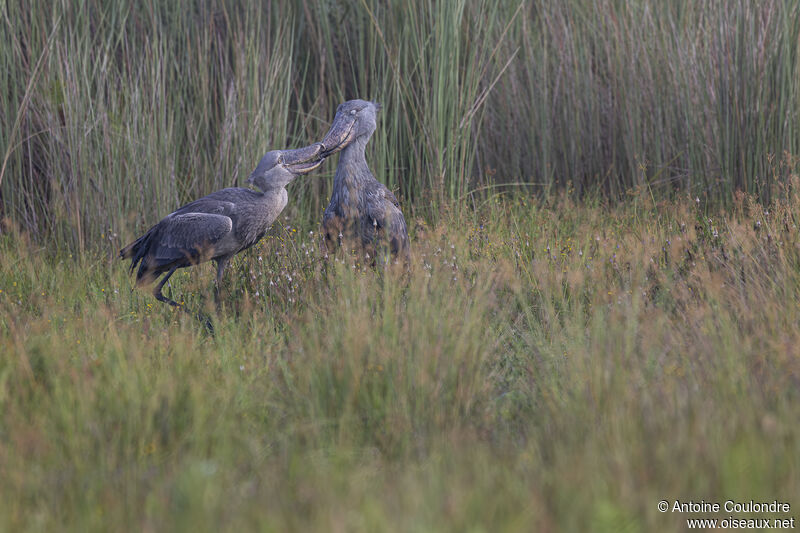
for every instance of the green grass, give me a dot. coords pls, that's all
(543, 366)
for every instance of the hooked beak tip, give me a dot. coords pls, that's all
(305, 168)
(339, 136)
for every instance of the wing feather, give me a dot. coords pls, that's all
(384, 211)
(191, 236)
(209, 206)
(390, 195)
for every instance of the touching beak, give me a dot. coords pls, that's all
(305, 168)
(340, 134)
(303, 160)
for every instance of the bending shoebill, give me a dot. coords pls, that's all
(220, 225)
(362, 211)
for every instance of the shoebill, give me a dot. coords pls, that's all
(220, 225)
(363, 212)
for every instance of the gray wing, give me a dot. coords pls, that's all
(383, 208)
(218, 203)
(207, 205)
(391, 197)
(193, 236)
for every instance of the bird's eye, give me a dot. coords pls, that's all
(353, 112)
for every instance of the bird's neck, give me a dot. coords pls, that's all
(270, 189)
(352, 167)
(275, 199)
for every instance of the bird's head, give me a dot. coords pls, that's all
(354, 119)
(279, 167)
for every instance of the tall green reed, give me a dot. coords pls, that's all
(674, 96)
(112, 114)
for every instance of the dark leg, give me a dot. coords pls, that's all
(221, 264)
(157, 291)
(161, 298)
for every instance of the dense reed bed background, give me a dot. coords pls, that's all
(601, 309)
(112, 113)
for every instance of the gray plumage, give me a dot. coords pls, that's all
(220, 225)
(362, 211)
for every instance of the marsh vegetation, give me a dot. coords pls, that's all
(601, 309)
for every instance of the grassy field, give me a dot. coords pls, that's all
(541, 367)
(600, 313)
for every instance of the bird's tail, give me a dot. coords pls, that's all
(137, 251)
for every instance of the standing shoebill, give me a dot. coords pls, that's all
(362, 211)
(220, 225)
